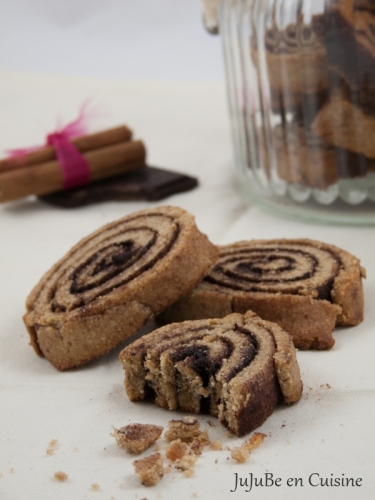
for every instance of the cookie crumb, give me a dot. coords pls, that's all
(186, 429)
(150, 469)
(186, 462)
(188, 472)
(136, 438)
(176, 450)
(52, 447)
(216, 445)
(95, 487)
(181, 455)
(199, 442)
(240, 454)
(60, 476)
(255, 441)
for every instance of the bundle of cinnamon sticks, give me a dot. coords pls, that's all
(108, 153)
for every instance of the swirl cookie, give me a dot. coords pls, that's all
(308, 159)
(347, 30)
(343, 124)
(236, 368)
(302, 157)
(296, 67)
(113, 282)
(305, 286)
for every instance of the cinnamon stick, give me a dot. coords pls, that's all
(47, 177)
(83, 144)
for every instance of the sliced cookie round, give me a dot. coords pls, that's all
(305, 286)
(236, 368)
(115, 281)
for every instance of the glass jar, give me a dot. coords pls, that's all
(301, 87)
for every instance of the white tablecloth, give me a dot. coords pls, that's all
(329, 433)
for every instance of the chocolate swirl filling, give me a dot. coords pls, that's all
(111, 260)
(195, 357)
(295, 38)
(348, 32)
(297, 269)
(221, 367)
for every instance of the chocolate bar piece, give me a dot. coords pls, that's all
(145, 183)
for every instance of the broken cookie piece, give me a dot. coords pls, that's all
(199, 442)
(255, 441)
(136, 438)
(182, 456)
(149, 469)
(236, 368)
(185, 429)
(242, 453)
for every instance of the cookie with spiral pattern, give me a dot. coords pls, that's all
(115, 281)
(235, 368)
(306, 286)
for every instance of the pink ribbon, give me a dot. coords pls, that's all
(74, 166)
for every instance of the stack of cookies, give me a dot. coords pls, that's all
(321, 82)
(235, 313)
(347, 120)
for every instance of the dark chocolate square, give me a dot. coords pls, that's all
(145, 183)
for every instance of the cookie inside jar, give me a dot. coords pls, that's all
(301, 78)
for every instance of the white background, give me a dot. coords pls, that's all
(127, 39)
